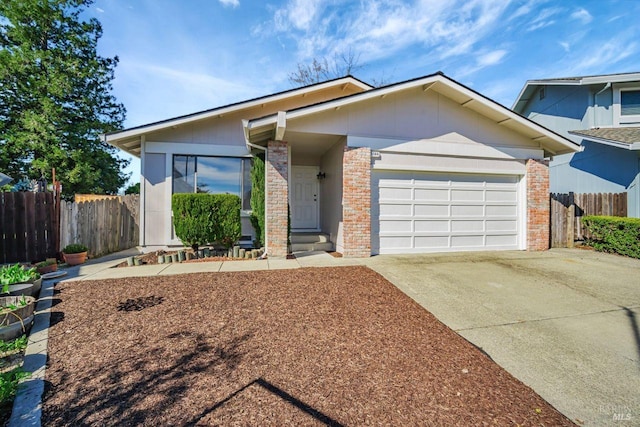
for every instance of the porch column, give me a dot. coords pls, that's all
(277, 197)
(538, 205)
(356, 202)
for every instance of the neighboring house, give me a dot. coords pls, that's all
(602, 113)
(425, 165)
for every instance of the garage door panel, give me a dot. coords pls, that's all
(431, 242)
(422, 226)
(389, 209)
(467, 195)
(501, 196)
(501, 240)
(467, 210)
(457, 226)
(397, 226)
(502, 225)
(467, 241)
(430, 212)
(395, 242)
(395, 193)
(432, 194)
(502, 210)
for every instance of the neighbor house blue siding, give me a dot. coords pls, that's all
(598, 168)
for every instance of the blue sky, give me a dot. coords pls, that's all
(182, 56)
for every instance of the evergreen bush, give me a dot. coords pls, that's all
(257, 198)
(614, 234)
(200, 218)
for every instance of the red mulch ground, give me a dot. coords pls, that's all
(316, 346)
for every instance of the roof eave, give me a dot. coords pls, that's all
(635, 146)
(558, 144)
(113, 137)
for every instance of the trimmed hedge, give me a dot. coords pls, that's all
(200, 218)
(614, 234)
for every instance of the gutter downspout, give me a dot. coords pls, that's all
(245, 125)
(595, 102)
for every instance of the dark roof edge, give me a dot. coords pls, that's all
(234, 104)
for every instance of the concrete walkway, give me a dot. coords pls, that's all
(102, 268)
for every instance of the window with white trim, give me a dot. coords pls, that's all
(630, 102)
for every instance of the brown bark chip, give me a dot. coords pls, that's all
(315, 346)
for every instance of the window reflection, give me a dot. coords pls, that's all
(213, 175)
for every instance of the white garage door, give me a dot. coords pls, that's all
(428, 212)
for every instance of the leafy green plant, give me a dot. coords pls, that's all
(75, 248)
(17, 344)
(8, 386)
(46, 263)
(200, 218)
(257, 198)
(12, 274)
(613, 234)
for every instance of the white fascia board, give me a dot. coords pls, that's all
(632, 147)
(113, 137)
(332, 104)
(492, 105)
(485, 102)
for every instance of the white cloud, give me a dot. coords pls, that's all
(582, 15)
(491, 58)
(157, 92)
(99, 10)
(544, 18)
(379, 29)
(565, 45)
(298, 14)
(230, 3)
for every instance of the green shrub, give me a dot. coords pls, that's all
(200, 218)
(75, 248)
(257, 198)
(614, 234)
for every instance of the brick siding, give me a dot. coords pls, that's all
(356, 208)
(277, 189)
(538, 205)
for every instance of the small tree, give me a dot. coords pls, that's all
(133, 189)
(257, 198)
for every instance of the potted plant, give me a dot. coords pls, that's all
(75, 253)
(16, 316)
(17, 280)
(48, 266)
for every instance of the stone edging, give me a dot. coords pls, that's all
(27, 406)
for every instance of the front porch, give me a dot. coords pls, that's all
(323, 186)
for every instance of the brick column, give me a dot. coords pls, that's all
(538, 205)
(356, 202)
(277, 197)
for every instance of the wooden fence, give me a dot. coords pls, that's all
(104, 225)
(567, 211)
(28, 227)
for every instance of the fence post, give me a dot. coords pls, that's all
(571, 220)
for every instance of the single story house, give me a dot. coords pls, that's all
(424, 165)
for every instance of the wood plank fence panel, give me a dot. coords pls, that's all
(568, 209)
(103, 224)
(26, 227)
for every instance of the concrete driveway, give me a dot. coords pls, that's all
(564, 322)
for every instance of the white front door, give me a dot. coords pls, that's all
(304, 197)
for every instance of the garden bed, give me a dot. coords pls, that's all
(319, 346)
